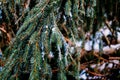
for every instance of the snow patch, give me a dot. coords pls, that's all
(93, 66)
(115, 61)
(88, 45)
(102, 67)
(78, 43)
(110, 65)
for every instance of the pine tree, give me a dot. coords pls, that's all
(42, 46)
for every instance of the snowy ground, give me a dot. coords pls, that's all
(98, 46)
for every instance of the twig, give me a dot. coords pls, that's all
(55, 70)
(108, 26)
(19, 18)
(3, 30)
(69, 41)
(26, 4)
(108, 42)
(8, 35)
(114, 58)
(95, 74)
(94, 53)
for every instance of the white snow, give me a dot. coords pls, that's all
(83, 75)
(51, 54)
(88, 45)
(46, 26)
(118, 37)
(0, 2)
(108, 50)
(90, 78)
(110, 23)
(115, 61)
(116, 46)
(110, 65)
(72, 50)
(102, 67)
(105, 31)
(97, 45)
(98, 35)
(78, 43)
(111, 48)
(93, 66)
(95, 77)
(1, 68)
(0, 53)
(53, 29)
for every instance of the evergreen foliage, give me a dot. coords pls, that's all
(40, 50)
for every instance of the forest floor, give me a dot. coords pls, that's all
(101, 55)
